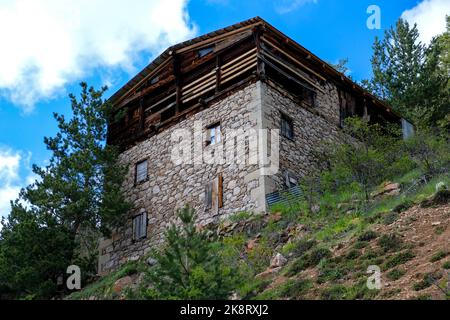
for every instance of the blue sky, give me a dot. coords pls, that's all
(52, 47)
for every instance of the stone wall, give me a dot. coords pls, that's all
(312, 127)
(171, 186)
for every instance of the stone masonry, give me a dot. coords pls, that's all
(170, 185)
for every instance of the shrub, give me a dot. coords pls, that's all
(395, 274)
(294, 288)
(390, 242)
(317, 255)
(330, 271)
(360, 244)
(439, 256)
(446, 265)
(296, 266)
(390, 218)
(189, 266)
(353, 254)
(303, 246)
(368, 235)
(429, 152)
(399, 259)
(405, 205)
(335, 292)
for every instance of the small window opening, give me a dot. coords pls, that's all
(140, 226)
(213, 134)
(141, 171)
(203, 52)
(287, 127)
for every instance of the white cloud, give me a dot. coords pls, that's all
(10, 179)
(48, 43)
(429, 16)
(286, 6)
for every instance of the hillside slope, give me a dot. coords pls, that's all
(293, 255)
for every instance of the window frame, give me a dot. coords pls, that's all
(136, 182)
(203, 52)
(142, 231)
(290, 122)
(216, 128)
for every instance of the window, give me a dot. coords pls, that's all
(141, 171)
(140, 226)
(203, 52)
(154, 80)
(213, 134)
(287, 127)
(291, 179)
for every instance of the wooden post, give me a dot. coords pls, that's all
(141, 115)
(176, 72)
(218, 73)
(220, 190)
(260, 66)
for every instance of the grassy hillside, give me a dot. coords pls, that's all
(325, 255)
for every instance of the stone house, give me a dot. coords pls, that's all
(220, 122)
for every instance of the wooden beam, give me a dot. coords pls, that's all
(242, 56)
(260, 67)
(190, 84)
(216, 38)
(226, 79)
(286, 74)
(151, 74)
(141, 115)
(199, 87)
(146, 91)
(177, 74)
(161, 101)
(292, 58)
(218, 72)
(236, 66)
(277, 60)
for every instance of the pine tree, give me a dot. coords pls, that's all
(407, 75)
(397, 66)
(77, 194)
(188, 266)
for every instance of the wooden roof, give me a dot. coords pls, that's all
(322, 67)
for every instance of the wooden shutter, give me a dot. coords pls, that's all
(220, 190)
(208, 195)
(135, 228)
(143, 226)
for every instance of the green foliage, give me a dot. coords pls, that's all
(341, 292)
(34, 251)
(422, 284)
(367, 161)
(398, 259)
(430, 152)
(368, 235)
(308, 260)
(390, 242)
(294, 288)
(302, 246)
(189, 266)
(331, 270)
(439, 255)
(390, 218)
(76, 196)
(409, 75)
(395, 274)
(446, 265)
